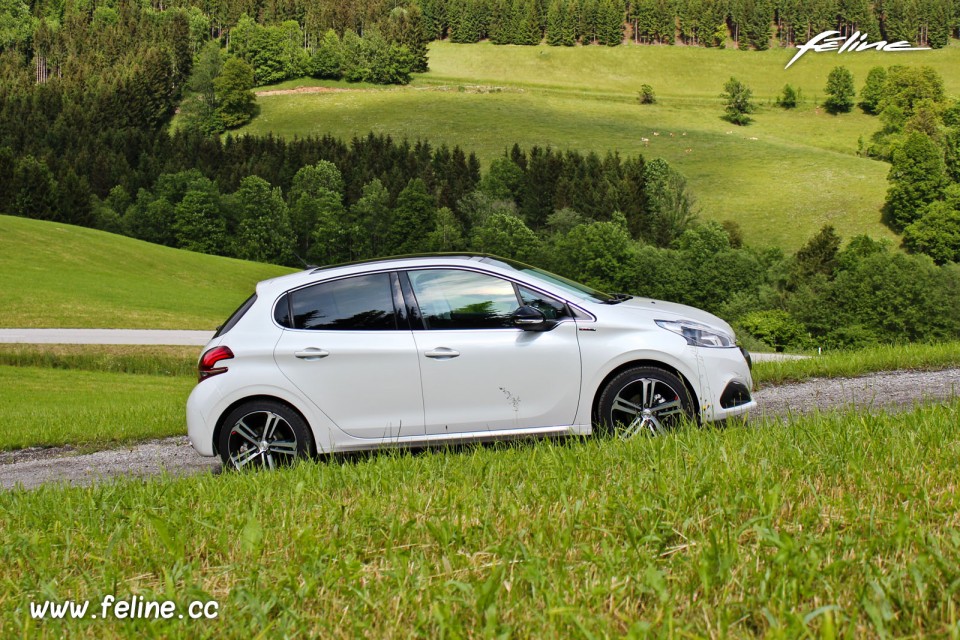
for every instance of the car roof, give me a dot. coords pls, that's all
(316, 274)
(452, 256)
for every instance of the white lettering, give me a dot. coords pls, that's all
(831, 41)
(59, 611)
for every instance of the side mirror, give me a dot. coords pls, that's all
(530, 319)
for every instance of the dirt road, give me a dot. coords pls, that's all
(175, 456)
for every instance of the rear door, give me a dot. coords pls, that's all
(479, 372)
(348, 347)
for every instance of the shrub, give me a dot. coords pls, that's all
(775, 327)
(738, 104)
(646, 95)
(789, 98)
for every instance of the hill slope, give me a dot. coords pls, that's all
(58, 275)
(782, 178)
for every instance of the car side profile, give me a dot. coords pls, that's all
(420, 350)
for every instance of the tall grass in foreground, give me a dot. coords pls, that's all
(848, 364)
(834, 525)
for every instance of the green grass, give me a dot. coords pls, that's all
(51, 407)
(828, 526)
(799, 173)
(57, 275)
(848, 364)
(137, 359)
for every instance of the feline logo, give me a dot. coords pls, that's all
(833, 41)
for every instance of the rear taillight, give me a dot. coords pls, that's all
(208, 362)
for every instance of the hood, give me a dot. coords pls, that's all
(663, 310)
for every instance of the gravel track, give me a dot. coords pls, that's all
(175, 457)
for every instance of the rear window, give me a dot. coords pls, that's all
(235, 316)
(360, 303)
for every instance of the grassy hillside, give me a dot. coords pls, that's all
(782, 178)
(57, 275)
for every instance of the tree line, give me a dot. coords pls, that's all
(302, 25)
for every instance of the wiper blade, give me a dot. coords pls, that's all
(617, 298)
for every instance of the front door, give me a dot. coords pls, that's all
(479, 372)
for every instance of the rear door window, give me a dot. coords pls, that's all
(361, 303)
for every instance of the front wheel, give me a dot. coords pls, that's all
(643, 400)
(263, 434)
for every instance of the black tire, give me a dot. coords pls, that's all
(643, 400)
(263, 433)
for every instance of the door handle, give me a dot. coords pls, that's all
(311, 353)
(442, 353)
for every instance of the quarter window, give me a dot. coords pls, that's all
(454, 299)
(362, 303)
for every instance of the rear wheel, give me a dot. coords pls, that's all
(643, 400)
(263, 434)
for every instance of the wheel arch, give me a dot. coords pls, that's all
(644, 362)
(259, 398)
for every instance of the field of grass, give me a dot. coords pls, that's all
(849, 364)
(137, 359)
(58, 275)
(51, 407)
(782, 178)
(829, 526)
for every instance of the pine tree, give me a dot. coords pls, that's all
(610, 23)
(530, 32)
(556, 18)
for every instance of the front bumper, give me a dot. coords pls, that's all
(725, 383)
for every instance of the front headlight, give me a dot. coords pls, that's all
(696, 334)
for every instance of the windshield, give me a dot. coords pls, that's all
(577, 289)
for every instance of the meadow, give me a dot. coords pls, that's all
(781, 178)
(828, 526)
(88, 409)
(58, 275)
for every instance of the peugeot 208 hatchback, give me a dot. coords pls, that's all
(418, 350)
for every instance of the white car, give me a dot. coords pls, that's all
(420, 350)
